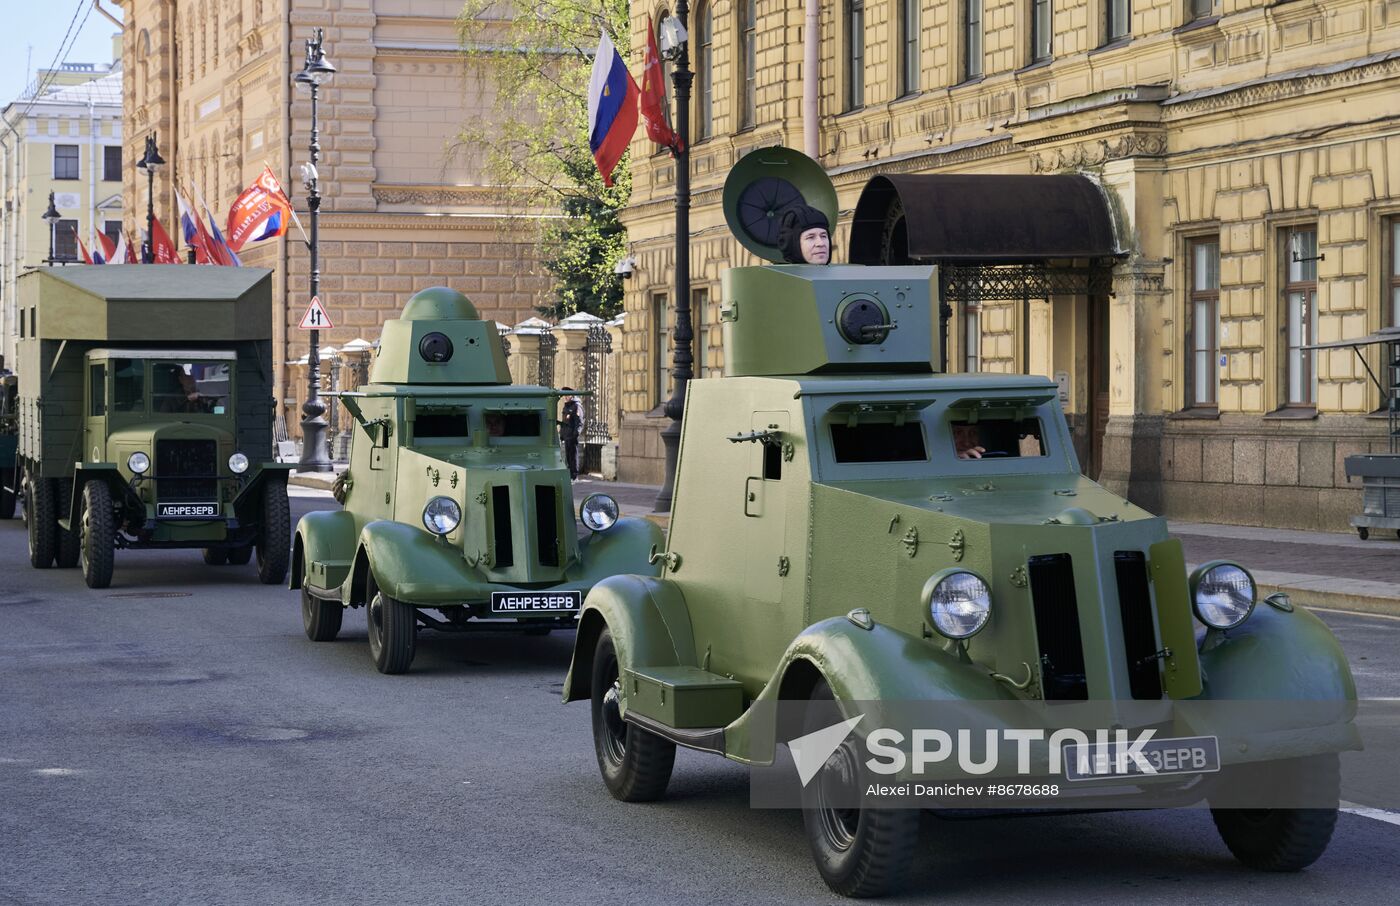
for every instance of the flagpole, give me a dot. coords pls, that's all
(682, 360)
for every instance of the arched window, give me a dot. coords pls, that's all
(704, 71)
(748, 60)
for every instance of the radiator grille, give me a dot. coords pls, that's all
(500, 513)
(547, 525)
(187, 470)
(1139, 632)
(1057, 627)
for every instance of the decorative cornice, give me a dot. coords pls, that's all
(1284, 85)
(1088, 155)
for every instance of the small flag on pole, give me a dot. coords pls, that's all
(82, 249)
(653, 102)
(261, 212)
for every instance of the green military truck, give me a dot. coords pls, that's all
(853, 533)
(457, 499)
(145, 417)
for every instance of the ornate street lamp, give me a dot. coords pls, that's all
(51, 217)
(315, 72)
(151, 162)
(674, 41)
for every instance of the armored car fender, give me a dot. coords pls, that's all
(1276, 655)
(649, 624)
(408, 564)
(323, 537)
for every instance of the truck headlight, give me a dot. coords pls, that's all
(238, 463)
(442, 515)
(139, 463)
(598, 512)
(1222, 594)
(959, 602)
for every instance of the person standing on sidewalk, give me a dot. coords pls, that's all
(569, 427)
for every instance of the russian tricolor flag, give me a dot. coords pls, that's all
(612, 108)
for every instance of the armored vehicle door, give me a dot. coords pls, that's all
(765, 507)
(96, 404)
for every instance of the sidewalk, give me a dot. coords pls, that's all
(1317, 569)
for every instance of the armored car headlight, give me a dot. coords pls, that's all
(138, 463)
(442, 515)
(1222, 595)
(958, 602)
(598, 512)
(238, 463)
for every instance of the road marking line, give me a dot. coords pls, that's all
(1377, 814)
(1354, 613)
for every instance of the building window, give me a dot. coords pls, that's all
(65, 161)
(661, 321)
(1198, 9)
(112, 229)
(1041, 30)
(1300, 307)
(704, 63)
(1393, 284)
(748, 54)
(1117, 16)
(972, 39)
(112, 163)
(855, 57)
(972, 338)
(909, 47)
(65, 241)
(1205, 321)
(699, 346)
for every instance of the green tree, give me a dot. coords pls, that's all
(535, 58)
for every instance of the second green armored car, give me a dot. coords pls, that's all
(457, 499)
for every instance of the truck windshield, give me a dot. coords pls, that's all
(998, 438)
(190, 387)
(128, 385)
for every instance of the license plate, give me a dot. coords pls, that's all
(187, 511)
(535, 601)
(1156, 757)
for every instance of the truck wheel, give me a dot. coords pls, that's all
(215, 556)
(1363, 533)
(636, 765)
(275, 541)
(393, 631)
(1285, 839)
(9, 490)
(66, 557)
(321, 619)
(860, 852)
(39, 520)
(239, 556)
(97, 535)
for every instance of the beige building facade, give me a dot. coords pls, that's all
(1249, 154)
(403, 207)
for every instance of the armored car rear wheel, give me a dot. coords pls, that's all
(1285, 839)
(321, 619)
(275, 539)
(39, 521)
(859, 852)
(393, 632)
(636, 765)
(239, 556)
(96, 535)
(215, 556)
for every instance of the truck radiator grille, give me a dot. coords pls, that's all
(500, 520)
(547, 524)
(187, 470)
(1057, 627)
(1139, 633)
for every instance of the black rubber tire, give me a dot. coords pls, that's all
(39, 521)
(1285, 839)
(321, 619)
(636, 765)
(215, 556)
(859, 852)
(9, 492)
(67, 554)
(96, 534)
(1363, 533)
(393, 631)
(275, 539)
(239, 556)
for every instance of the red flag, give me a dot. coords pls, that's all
(130, 252)
(612, 108)
(654, 97)
(108, 250)
(261, 212)
(87, 259)
(162, 249)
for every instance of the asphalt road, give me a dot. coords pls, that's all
(176, 739)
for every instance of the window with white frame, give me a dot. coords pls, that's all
(1042, 30)
(972, 338)
(972, 39)
(1393, 284)
(661, 341)
(855, 54)
(1203, 375)
(1300, 313)
(1118, 16)
(909, 46)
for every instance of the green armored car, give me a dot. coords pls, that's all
(145, 417)
(855, 538)
(457, 499)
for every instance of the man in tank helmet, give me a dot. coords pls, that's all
(805, 236)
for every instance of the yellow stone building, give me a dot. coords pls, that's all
(1248, 152)
(403, 207)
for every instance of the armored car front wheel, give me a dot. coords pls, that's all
(636, 765)
(859, 852)
(1283, 839)
(321, 619)
(393, 632)
(96, 535)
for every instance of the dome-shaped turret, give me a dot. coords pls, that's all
(439, 303)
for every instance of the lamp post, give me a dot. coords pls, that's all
(151, 162)
(51, 217)
(316, 71)
(674, 48)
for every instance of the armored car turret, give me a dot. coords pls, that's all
(853, 531)
(457, 499)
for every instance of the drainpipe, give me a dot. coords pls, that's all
(97, 5)
(93, 129)
(811, 79)
(5, 251)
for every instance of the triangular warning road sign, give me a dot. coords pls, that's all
(315, 317)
